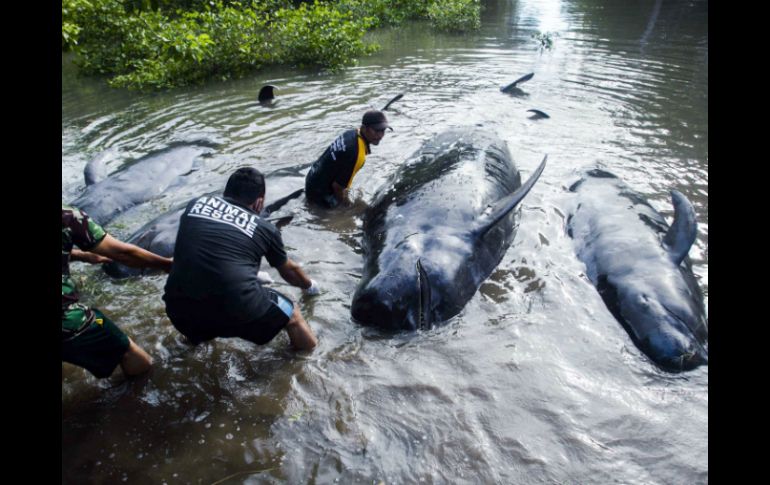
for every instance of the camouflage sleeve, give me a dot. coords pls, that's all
(86, 233)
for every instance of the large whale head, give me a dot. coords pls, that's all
(428, 279)
(664, 314)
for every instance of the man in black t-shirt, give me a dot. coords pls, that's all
(213, 289)
(330, 176)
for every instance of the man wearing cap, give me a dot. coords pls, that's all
(332, 174)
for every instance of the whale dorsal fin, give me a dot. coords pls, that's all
(395, 98)
(266, 93)
(683, 230)
(502, 207)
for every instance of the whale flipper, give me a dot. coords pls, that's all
(683, 231)
(279, 222)
(502, 207)
(274, 206)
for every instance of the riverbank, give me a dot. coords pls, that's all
(162, 44)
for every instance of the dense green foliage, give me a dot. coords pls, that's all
(320, 35)
(452, 15)
(153, 44)
(455, 15)
(387, 12)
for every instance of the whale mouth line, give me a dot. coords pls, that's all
(423, 298)
(683, 322)
(697, 351)
(674, 314)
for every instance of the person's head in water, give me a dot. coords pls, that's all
(247, 186)
(373, 126)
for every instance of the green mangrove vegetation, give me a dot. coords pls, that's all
(160, 44)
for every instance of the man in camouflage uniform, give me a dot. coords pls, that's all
(89, 338)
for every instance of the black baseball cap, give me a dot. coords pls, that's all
(375, 119)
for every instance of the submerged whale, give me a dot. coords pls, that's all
(159, 235)
(641, 269)
(145, 179)
(437, 229)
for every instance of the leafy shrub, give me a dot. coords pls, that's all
(455, 15)
(157, 44)
(387, 12)
(319, 35)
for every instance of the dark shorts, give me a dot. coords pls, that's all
(329, 201)
(201, 328)
(98, 347)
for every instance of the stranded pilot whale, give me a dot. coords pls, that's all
(159, 235)
(146, 178)
(437, 229)
(640, 267)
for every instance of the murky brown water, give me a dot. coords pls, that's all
(535, 382)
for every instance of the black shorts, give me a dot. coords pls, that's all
(262, 330)
(98, 347)
(329, 201)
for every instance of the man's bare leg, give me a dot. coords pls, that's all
(135, 361)
(300, 333)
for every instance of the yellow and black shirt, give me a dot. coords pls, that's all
(339, 163)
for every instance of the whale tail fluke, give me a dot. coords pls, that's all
(683, 231)
(505, 205)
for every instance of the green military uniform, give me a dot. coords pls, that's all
(89, 338)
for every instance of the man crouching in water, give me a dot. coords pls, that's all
(213, 290)
(328, 180)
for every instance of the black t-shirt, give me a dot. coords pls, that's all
(217, 255)
(335, 164)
